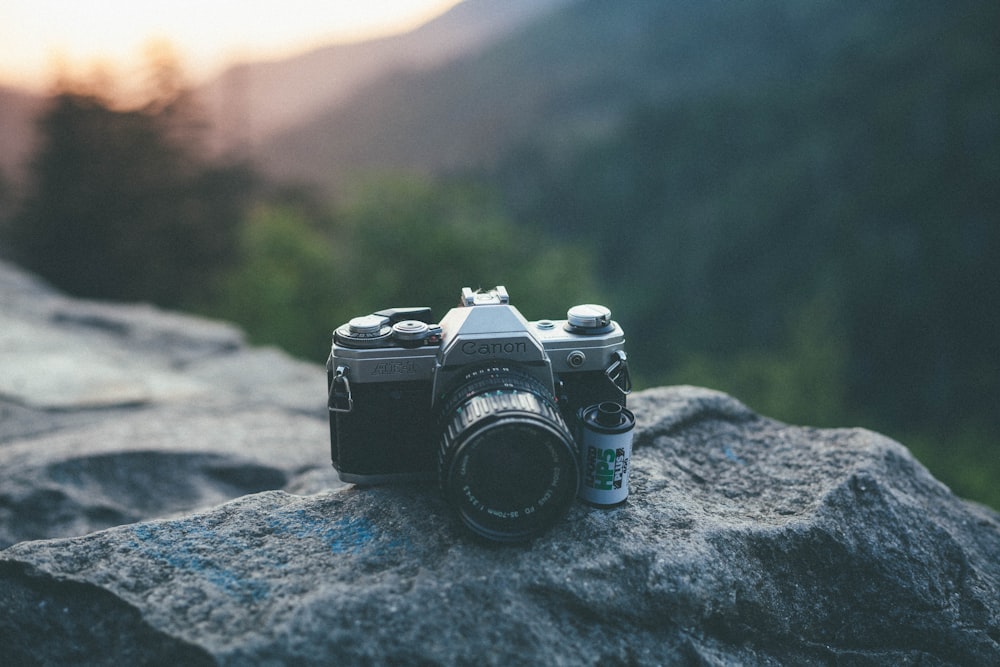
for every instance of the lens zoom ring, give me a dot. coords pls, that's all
(494, 403)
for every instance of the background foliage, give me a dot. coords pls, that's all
(302, 271)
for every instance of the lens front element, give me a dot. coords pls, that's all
(507, 461)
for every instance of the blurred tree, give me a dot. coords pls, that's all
(164, 81)
(167, 96)
(120, 208)
(282, 286)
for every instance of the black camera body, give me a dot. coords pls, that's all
(485, 401)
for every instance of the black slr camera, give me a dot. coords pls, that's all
(485, 401)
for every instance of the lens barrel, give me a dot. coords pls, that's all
(507, 461)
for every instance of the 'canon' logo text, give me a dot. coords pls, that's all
(487, 349)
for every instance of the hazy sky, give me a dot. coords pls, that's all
(36, 36)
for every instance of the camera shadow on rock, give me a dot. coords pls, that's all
(744, 541)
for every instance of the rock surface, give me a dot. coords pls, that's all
(745, 541)
(111, 414)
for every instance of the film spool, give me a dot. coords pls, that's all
(606, 453)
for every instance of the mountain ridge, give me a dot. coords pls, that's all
(560, 80)
(252, 100)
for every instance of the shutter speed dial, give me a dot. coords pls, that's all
(589, 318)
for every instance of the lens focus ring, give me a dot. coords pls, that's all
(493, 404)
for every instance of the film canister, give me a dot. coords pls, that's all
(606, 448)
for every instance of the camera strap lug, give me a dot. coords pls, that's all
(340, 399)
(617, 372)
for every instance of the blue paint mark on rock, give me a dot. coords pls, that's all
(345, 535)
(199, 547)
(191, 547)
(731, 455)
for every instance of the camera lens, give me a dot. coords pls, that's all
(507, 462)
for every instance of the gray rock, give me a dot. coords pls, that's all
(61, 353)
(151, 463)
(114, 413)
(745, 541)
(227, 539)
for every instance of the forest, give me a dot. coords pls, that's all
(824, 251)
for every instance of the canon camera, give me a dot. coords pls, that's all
(485, 401)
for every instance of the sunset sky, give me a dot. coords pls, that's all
(38, 36)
